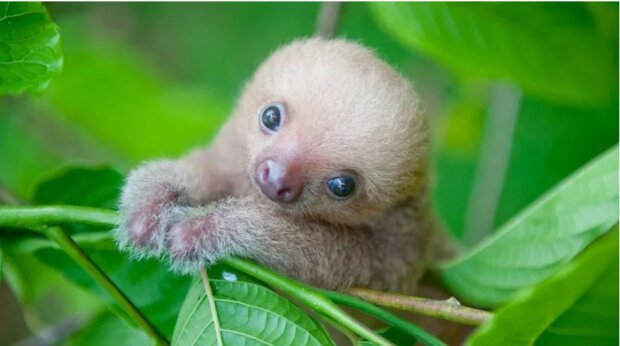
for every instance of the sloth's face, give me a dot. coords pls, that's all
(332, 131)
(282, 177)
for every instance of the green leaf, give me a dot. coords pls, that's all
(92, 187)
(248, 313)
(96, 186)
(538, 242)
(29, 47)
(578, 306)
(551, 50)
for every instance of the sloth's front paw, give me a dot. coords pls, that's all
(143, 229)
(192, 243)
(147, 204)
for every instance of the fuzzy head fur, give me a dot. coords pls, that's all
(346, 111)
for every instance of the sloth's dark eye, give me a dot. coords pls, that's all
(341, 187)
(271, 117)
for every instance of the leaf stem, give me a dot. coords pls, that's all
(503, 112)
(385, 316)
(445, 309)
(27, 217)
(35, 218)
(307, 295)
(216, 318)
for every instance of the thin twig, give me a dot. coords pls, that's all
(26, 217)
(6, 197)
(64, 241)
(385, 316)
(493, 163)
(211, 299)
(327, 19)
(57, 334)
(450, 310)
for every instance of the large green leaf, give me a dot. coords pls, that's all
(248, 313)
(86, 186)
(29, 47)
(535, 244)
(578, 306)
(552, 50)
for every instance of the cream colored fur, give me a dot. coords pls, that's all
(345, 110)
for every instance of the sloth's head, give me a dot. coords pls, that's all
(334, 132)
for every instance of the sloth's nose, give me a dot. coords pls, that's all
(279, 181)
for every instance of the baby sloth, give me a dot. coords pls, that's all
(319, 174)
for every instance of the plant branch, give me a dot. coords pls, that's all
(383, 315)
(327, 19)
(6, 197)
(493, 163)
(35, 219)
(28, 217)
(64, 241)
(449, 310)
(307, 295)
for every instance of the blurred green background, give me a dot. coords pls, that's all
(518, 95)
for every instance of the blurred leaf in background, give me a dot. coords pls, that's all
(547, 49)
